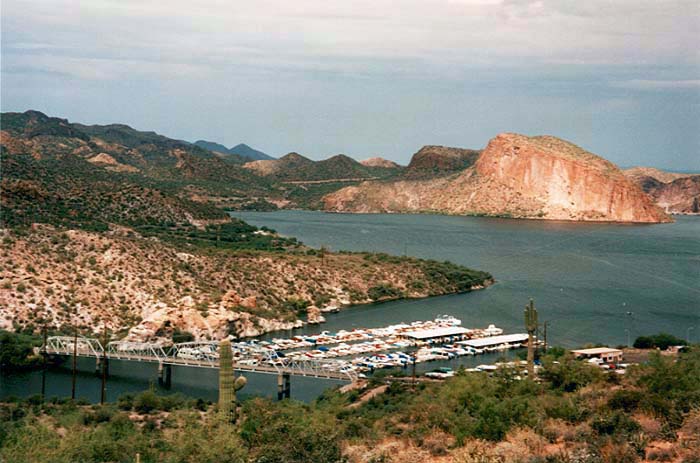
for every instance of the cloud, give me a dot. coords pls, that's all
(642, 84)
(445, 36)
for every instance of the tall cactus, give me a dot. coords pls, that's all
(227, 384)
(531, 327)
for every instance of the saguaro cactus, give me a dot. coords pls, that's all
(531, 327)
(227, 384)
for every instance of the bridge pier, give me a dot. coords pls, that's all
(164, 375)
(284, 386)
(98, 366)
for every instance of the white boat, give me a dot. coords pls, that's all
(492, 330)
(448, 320)
(189, 353)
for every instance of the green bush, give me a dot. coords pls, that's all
(16, 352)
(146, 402)
(383, 291)
(568, 374)
(661, 341)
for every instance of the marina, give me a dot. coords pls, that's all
(365, 350)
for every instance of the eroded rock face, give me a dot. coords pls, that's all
(681, 196)
(515, 176)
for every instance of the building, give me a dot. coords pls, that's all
(606, 354)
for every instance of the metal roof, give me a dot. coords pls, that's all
(597, 350)
(495, 340)
(436, 332)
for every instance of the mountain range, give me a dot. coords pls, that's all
(117, 172)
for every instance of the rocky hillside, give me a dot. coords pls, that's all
(72, 173)
(515, 176)
(680, 196)
(148, 288)
(294, 167)
(639, 173)
(432, 161)
(676, 193)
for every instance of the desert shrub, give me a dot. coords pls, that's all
(125, 402)
(615, 423)
(627, 400)
(287, 432)
(146, 402)
(383, 291)
(569, 374)
(182, 336)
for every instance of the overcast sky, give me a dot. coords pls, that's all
(368, 77)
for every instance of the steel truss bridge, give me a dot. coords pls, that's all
(200, 355)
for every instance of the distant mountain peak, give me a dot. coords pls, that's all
(251, 153)
(241, 149)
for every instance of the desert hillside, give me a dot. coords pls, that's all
(148, 287)
(515, 176)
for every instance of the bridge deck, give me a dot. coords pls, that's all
(307, 369)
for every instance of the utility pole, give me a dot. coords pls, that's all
(104, 366)
(531, 327)
(75, 362)
(545, 336)
(414, 372)
(629, 327)
(43, 370)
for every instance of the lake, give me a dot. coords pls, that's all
(592, 283)
(584, 277)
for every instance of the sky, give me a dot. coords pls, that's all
(366, 78)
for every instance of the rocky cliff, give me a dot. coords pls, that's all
(681, 196)
(675, 193)
(515, 176)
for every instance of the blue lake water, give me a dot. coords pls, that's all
(584, 277)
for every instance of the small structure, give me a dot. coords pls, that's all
(606, 354)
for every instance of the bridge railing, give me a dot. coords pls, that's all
(66, 344)
(202, 353)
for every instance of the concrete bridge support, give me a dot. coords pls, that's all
(284, 386)
(98, 366)
(165, 375)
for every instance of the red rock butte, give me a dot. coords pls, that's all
(515, 176)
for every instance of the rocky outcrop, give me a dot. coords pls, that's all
(109, 163)
(681, 196)
(379, 162)
(432, 160)
(675, 193)
(515, 176)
